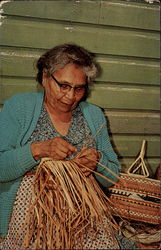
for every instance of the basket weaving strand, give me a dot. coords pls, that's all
(138, 167)
(64, 204)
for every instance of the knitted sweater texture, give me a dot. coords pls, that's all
(18, 119)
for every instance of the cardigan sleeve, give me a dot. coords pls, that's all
(15, 159)
(108, 163)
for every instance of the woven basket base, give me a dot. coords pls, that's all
(136, 198)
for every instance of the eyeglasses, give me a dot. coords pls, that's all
(64, 88)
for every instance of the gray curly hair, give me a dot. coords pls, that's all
(59, 56)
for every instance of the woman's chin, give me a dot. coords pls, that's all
(65, 108)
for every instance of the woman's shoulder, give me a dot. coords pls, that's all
(87, 106)
(92, 112)
(24, 98)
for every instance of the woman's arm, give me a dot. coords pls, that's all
(15, 159)
(108, 159)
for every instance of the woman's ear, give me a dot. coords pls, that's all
(44, 77)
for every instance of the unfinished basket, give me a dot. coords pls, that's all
(65, 204)
(135, 196)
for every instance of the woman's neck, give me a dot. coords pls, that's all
(63, 117)
(61, 121)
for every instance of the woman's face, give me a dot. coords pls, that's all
(58, 98)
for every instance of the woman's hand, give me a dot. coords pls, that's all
(89, 158)
(55, 148)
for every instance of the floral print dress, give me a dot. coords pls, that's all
(78, 135)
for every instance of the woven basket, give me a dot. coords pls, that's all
(136, 198)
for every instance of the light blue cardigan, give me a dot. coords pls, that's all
(18, 119)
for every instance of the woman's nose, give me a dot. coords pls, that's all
(71, 94)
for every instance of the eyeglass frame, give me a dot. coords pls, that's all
(81, 87)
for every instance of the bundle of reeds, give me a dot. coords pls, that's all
(64, 204)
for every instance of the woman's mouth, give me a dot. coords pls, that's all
(67, 104)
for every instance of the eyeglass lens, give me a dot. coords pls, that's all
(66, 87)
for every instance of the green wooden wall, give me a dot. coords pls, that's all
(124, 35)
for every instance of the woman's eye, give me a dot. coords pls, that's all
(64, 86)
(79, 88)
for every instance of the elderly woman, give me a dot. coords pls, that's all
(55, 123)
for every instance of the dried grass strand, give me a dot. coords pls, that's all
(65, 203)
(97, 173)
